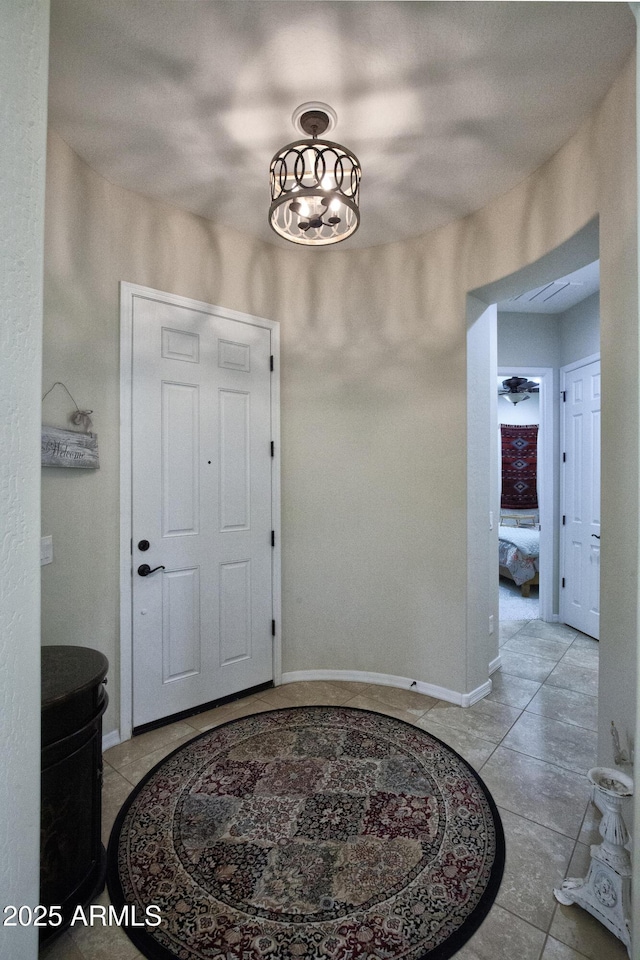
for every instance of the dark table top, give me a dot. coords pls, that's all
(68, 670)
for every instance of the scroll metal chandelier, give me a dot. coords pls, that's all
(315, 184)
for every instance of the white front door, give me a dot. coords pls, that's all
(201, 499)
(580, 540)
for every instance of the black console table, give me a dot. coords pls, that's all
(72, 856)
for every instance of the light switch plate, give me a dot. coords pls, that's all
(46, 550)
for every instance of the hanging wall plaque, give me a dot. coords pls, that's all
(69, 448)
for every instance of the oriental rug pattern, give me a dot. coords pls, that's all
(314, 833)
(519, 467)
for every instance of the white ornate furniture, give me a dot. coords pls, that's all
(605, 892)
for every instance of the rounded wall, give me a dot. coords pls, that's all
(373, 368)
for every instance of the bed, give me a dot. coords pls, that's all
(519, 555)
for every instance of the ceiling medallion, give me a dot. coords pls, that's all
(315, 184)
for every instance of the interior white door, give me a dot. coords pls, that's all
(580, 583)
(201, 463)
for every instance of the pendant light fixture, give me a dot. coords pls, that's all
(516, 397)
(315, 184)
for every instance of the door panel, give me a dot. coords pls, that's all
(235, 611)
(235, 481)
(180, 458)
(580, 586)
(181, 653)
(201, 428)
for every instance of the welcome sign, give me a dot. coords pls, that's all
(69, 448)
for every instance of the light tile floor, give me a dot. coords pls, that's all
(532, 740)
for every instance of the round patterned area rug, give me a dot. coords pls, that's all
(310, 833)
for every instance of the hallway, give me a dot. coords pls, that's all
(533, 740)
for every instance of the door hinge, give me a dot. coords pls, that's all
(564, 520)
(563, 394)
(564, 458)
(271, 363)
(273, 628)
(273, 538)
(273, 449)
(563, 583)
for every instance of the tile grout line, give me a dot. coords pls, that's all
(575, 840)
(535, 823)
(569, 723)
(540, 760)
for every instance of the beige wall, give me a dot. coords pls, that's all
(373, 407)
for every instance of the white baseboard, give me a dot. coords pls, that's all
(468, 699)
(495, 665)
(110, 740)
(388, 680)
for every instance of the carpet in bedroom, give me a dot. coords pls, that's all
(513, 606)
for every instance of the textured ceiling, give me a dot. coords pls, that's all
(446, 104)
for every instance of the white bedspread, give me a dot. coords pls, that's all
(519, 552)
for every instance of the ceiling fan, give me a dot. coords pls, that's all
(516, 389)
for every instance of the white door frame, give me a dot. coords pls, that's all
(567, 368)
(128, 292)
(546, 473)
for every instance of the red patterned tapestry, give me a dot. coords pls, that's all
(519, 467)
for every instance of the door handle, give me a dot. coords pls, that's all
(596, 535)
(144, 569)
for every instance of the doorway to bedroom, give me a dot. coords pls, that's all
(522, 488)
(512, 329)
(556, 324)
